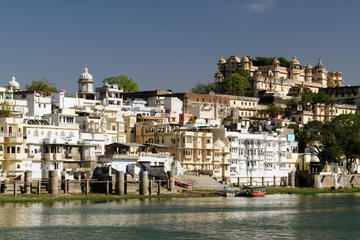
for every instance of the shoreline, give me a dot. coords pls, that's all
(48, 198)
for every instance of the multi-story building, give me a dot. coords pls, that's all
(321, 112)
(195, 149)
(278, 79)
(12, 147)
(260, 155)
(344, 95)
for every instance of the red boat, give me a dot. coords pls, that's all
(183, 184)
(252, 192)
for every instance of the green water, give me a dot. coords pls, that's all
(323, 216)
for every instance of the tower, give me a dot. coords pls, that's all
(245, 62)
(308, 73)
(294, 68)
(276, 68)
(86, 85)
(13, 84)
(320, 74)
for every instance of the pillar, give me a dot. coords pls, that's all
(144, 183)
(27, 182)
(107, 187)
(171, 181)
(15, 187)
(150, 186)
(66, 186)
(292, 179)
(263, 181)
(38, 188)
(53, 182)
(125, 183)
(120, 183)
(251, 181)
(159, 187)
(87, 186)
(274, 181)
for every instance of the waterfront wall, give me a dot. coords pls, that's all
(336, 180)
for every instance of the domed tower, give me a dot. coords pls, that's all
(276, 68)
(320, 74)
(232, 63)
(245, 62)
(13, 84)
(294, 68)
(221, 64)
(308, 73)
(86, 85)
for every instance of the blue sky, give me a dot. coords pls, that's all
(170, 44)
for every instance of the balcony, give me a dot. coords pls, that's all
(14, 138)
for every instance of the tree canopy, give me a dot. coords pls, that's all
(264, 61)
(42, 85)
(237, 82)
(272, 110)
(128, 84)
(335, 141)
(203, 88)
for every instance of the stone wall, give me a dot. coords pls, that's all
(336, 180)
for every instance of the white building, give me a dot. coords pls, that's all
(260, 155)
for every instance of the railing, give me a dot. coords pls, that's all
(85, 186)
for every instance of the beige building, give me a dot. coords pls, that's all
(277, 79)
(321, 112)
(12, 147)
(195, 149)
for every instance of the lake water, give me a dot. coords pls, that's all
(325, 216)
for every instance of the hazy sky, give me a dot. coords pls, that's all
(170, 44)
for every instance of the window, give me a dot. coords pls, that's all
(8, 150)
(18, 149)
(13, 150)
(208, 152)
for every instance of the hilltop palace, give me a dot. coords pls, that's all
(277, 79)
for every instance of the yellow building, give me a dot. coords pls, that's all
(279, 79)
(195, 149)
(321, 112)
(12, 147)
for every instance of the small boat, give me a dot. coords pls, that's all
(259, 191)
(183, 184)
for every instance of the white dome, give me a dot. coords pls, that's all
(13, 83)
(86, 75)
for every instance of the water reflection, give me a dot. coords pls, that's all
(272, 217)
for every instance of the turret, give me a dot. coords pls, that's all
(308, 73)
(245, 62)
(86, 85)
(294, 68)
(276, 68)
(320, 74)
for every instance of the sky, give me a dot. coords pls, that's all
(170, 44)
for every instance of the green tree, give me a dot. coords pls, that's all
(128, 84)
(272, 110)
(42, 85)
(346, 128)
(203, 88)
(337, 141)
(5, 110)
(265, 61)
(237, 82)
(321, 140)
